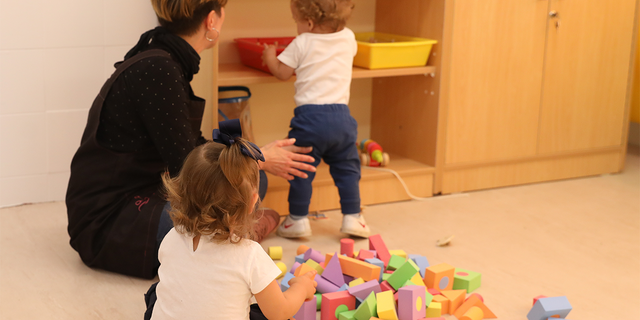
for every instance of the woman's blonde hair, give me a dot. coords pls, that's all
(332, 14)
(183, 17)
(213, 192)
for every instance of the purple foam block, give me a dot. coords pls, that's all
(308, 310)
(314, 255)
(362, 291)
(295, 266)
(333, 271)
(324, 285)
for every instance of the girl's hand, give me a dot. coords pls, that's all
(307, 282)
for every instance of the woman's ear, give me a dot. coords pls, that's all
(215, 20)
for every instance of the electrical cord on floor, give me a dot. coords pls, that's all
(404, 185)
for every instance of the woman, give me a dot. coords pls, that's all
(145, 121)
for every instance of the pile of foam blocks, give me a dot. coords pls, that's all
(383, 284)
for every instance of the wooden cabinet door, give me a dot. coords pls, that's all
(586, 74)
(497, 56)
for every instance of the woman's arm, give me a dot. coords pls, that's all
(276, 304)
(285, 160)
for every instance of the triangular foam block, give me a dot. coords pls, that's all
(333, 271)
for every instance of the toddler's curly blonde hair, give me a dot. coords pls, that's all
(332, 14)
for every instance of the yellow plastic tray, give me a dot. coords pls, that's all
(382, 50)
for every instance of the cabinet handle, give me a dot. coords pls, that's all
(553, 14)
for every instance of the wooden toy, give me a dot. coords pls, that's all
(356, 282)
(307, 311)
(474, 313)
(386, 306)
(336, 301)
(284, 283)
(302, 269)
(465, 279)
(371, 154)
(395, 262)
(444, 303)
(535, 299)
(347, 315)
(411, 303)
(367, 308)
(404, 273)
(366, 254)
(358, 269)
(275, 253)
(434, 310)
(439, 276)
(376, 243)
(455, 297)
(420, 261)
(474, 301)
(377, 262)
(283, 269)
(324, 285)
(333, 271)
(314, 255)
(346, 247)
(302, 249)
(362, 291)
(552, 307)
(400, 253)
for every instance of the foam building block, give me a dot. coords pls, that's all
(376, 262)
(439, 276)
(302, 269)
(344, 287)
(284, 283)
(324, 285)
(307, 311)
(456, 299)
(386, 306)
(474, 301)
(400, 253)
(411, 303)
(282, 267)
(434, 310)
(376, 243)
(421, 262)
(474, 313)
(395, 262)
(316, 266)
(314, 255)
(333, 271)
(295, 267)
(367, 308)
(356, 282)
(433, 291)
(336, 301)
(535, 299)
(552, 307)
(347, 315)
(444, 303)
(300, 258)
(404, 273)
(346, 247)
(347, 278)
(417, 280)
(437, 318)
(357, 269)
(362, 291)
(466, 279)
(385, 286)
(318, 300)
(301, 249)
(365, 254)
(275, 253)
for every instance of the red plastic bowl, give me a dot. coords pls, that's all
(251, 50)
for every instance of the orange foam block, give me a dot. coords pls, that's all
(456, 299)
(439, 277)
(444, 303)
(474, 301)
(302, 249)
(356, 268)
(474, 313)
(302, 269)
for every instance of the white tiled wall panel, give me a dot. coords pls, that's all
(54, 57)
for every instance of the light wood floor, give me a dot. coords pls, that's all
(579, 238)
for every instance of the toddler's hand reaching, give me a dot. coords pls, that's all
(269, 52)
(307, 282)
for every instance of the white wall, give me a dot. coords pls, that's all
(54, 57)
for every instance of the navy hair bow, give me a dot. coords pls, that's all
(227, 134)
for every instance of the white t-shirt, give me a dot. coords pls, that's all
(216, 281)
(323, 64)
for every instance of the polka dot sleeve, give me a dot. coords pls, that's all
(162, 96)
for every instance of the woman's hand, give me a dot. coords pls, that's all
(285, 160)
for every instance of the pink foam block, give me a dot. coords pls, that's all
(308, 310)
(376, 243)
(294, 267)
(346, 247)
(362, 291)
(385, 286)
(411, 303)
(366, 254)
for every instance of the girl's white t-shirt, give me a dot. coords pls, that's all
(323, 64)
(217, 281)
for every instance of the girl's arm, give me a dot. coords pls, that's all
(277, 68)
(276, 304)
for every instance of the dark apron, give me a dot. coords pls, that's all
(114, 200)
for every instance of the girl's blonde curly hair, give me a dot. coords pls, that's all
(213, 192)
(332, 14)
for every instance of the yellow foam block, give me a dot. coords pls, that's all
(302, 269)
(275, 253)
(282, 267)
(417, 280)
(316, 266)
(386, 305)
(434, 310)
(400, 253)
(356, 268)
(474, 313)
(356, 282)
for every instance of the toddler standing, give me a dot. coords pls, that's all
(322, 58)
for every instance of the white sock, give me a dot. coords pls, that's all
(296, 217)
(355, 215)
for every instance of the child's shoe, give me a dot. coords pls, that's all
(294, 228)
(355, 226)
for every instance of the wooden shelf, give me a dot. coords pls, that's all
(233, 74)
(375, 186)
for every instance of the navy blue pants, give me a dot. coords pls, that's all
(332, 132)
